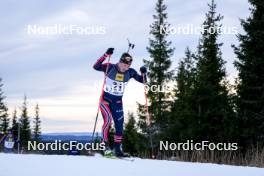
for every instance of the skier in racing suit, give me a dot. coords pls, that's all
(111, 106)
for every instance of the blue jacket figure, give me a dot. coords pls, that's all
(74, 150)
(111, 106)
(9, 142)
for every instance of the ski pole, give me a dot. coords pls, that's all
(146, 101)
(148, 120)
(18, 138)
(98, 108)
(2, 138)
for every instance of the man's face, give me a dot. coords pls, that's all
(123, 67)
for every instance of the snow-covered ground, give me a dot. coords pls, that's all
(60, 165)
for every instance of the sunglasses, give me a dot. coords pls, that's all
(127, 60)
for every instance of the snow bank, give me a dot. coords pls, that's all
(62, 165)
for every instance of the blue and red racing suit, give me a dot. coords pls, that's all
(111, 105)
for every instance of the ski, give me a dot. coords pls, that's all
(126, 158)
(121, 158)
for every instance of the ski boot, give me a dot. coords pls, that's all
(107, 152)
(118, 151)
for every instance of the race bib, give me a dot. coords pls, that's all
(9, 145)
(114, 87)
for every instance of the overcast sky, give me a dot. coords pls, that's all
(56, 71)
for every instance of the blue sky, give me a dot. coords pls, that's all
(56, 72)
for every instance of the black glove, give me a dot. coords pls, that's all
(110, 51)
(143, 70)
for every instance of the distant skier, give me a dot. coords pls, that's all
(9, 142)
(111, 106)
(74, 150)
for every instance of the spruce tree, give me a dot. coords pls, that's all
(214, 111)
(111, 136)
(183, 116)
(36, 124)
(159, 73)
(15, 124)
(250, 65)
(131, 137)
(25, 124)
(4, 120)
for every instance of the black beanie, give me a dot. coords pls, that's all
(126, 58)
